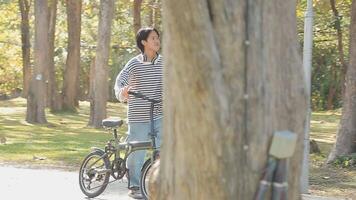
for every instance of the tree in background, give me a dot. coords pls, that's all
(233, 77)
(151, 10)
(72, 69)
(150, 16)
(154, 15)
(100, 90)
(137, 15)
(26, 45)
(36, 100)
(54, 100)
(327, 75)
(340, 45)
(346, 136)
(11, 66)
(157, 14)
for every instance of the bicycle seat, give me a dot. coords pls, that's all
(112, 122)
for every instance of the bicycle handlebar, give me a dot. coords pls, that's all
(144, 97)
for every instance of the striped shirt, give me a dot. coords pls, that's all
(145, 77)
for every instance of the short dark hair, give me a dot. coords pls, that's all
(142, 34)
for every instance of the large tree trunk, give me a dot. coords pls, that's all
(100, 95)
(346, 136)
(340, 45)
(230, 83)
(137, 15)
(26, 45)
(36, 101)
(71, 73)
(54, 100)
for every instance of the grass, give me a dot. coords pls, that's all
(328, 180)
(65, 141)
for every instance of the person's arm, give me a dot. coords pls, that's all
(122, 85)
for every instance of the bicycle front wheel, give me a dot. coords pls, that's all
(145, 177)
(94, 174)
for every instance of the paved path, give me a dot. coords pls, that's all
(43, 184)
(50, 184)
(310, 197)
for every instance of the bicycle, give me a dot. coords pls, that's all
(111, 163)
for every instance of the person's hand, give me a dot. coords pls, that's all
(125, 92)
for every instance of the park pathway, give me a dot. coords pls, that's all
(49, 184)
(44, 184)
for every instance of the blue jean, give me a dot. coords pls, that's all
(140, 132)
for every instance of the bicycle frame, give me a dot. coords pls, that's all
(116, 167)
(114, 147)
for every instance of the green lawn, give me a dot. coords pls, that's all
(66, 139)
(63, 142)
(326, 180)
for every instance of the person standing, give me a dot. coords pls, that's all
(142, 73)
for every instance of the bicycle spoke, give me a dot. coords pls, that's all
(101, 158)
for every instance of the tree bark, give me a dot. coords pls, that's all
(36, 101)
(233, 76)
(71, 73)
(331, 97)
(333, 82)
(54, 99)
(100, 95)
(340, 45)
(26, 45)
(137, 15)
(346, 136)
(91, 91)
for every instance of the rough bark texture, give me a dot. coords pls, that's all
(340, 45)
(346, 136)
(36, 100)
(137, 15)
(71, 73)
(100, 95)
(233, 76)
(26, 45)
(54, 100)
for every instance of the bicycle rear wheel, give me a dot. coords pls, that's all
(94, 174)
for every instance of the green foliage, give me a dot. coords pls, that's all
(347, 161)
(326, 71)
(10, 48)
(326, 65)
(123, 45)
